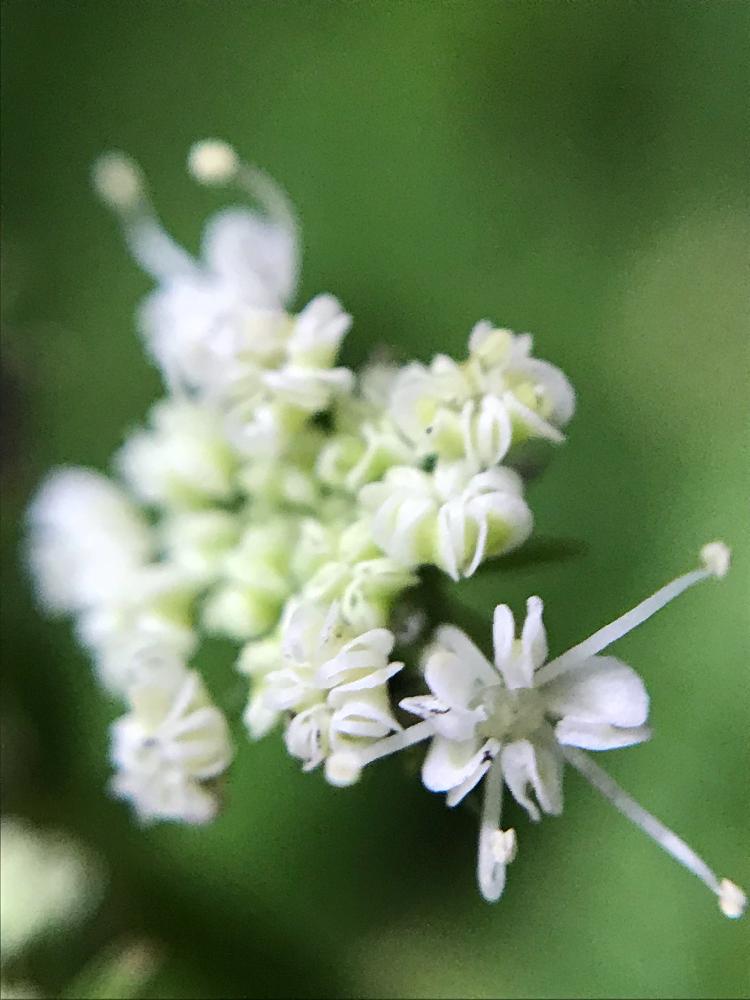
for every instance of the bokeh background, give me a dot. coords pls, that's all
(574, 169)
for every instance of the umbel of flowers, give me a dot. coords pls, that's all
(278, 499)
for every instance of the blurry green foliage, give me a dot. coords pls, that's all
(578, 169)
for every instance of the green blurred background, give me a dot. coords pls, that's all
(574, 169)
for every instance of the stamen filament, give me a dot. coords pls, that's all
(398, 741)
(119, 183)
(255, 182)
(605, 636)
(491, 871)
(655, 829)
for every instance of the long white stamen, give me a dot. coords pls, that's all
(399, 741)
(731, 898)
(120, 184)
(213, 161)
(490, 863)
(715, 557)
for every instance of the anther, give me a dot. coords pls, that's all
(118, 180)
(716, 558)
(504, 846)
(732, 900)
(213, 161)
(343, 769)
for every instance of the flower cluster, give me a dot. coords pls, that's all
(281, 501)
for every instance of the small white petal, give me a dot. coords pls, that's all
(453, 723)
(602, 689)
(254, 255)
(476, 664)
(476, 769)
(598, 735)
(451, 679)
(424, 705)
(306, 736)
(447, 763)
(366, 716)
(533, 635)
(555, 385)
(537, 425)
(503, 634)
(525, 763)
(258, 717)
(375, 679)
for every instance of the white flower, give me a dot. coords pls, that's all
(285, 478)
(48, 880)
(426, 403)
(333, 682)
(317, 333)
(364, 589)
(480, 710)
(339, 563)
(197, 541)
(268, 407)
(183, 460)
(85, 539)
(477, 409)
(453, 517)
(538, 396)
(169, 746)
(350, 460)
(258, 658)
(255, 580)
(306, 390)
(516, 721)
(152, 609)
(230, 301)
(219, 325)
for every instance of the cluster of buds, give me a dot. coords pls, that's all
(282, 501)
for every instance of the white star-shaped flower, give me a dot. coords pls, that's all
(170, 745)
(331, 682)
(182, 460)
(537, 395)
(453, 517)
(86, 539)
(477, 409)
(516, 720)
(218, 325)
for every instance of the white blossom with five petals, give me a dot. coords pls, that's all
(170, 746)
(453, 517)
(516, 721)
